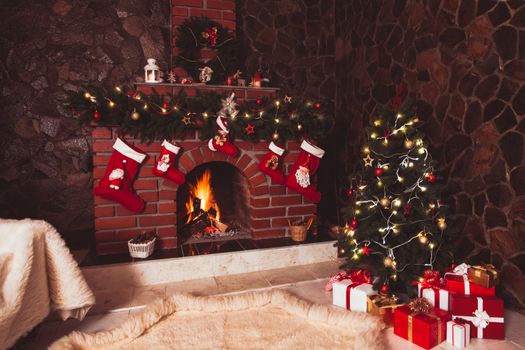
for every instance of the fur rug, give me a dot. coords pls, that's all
(37, 275)
(271, 319)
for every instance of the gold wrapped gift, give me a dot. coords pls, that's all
(383, 306)
(484, 275)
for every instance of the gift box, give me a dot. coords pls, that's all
(436, 296)
(352, 296)
(458, 282)
(383, 306)
(483, 275)
(484, 314)
(458, 333)
(426, 328)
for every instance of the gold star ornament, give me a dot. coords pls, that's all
(287, 99)
(186, 120)
(368, 160)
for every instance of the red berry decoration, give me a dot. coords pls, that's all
(350, 192)
(354, 223)
(384, 289)
(365, 250)
(317, 105)
(258, 101)
(378, 171)
(165, 106)
(431, 178)
(96, 115)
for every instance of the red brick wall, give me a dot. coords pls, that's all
(222, 11)
(271, 205)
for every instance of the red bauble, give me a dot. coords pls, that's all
(198, 122)
(350, 192)
(96, 115)
(258, 101)
(431, 178)
(317, 105)
(354, 223)
(384, 289)
(365, 250)
(165, 106)
(378, 171)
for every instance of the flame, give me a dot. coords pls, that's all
(202, 190)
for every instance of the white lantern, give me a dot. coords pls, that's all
(152, 71)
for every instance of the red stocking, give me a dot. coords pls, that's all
(299, 179)
(116, 185)
(165, 166)
(221, 141)
(270, 164)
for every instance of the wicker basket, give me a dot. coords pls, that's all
(298, 233)
(141, 250)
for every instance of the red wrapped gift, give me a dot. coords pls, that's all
(458, 282)
(425, 326)
(485, 314)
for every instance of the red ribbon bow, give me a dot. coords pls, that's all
(360, 276)
(336, 278)
(431, 278)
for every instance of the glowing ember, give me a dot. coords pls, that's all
(202, 190)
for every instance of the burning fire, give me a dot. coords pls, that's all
(202, 190)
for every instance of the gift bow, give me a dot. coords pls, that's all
(461, 270)
(420, 305)
(481, 318)
(356, 276)
(336, 278)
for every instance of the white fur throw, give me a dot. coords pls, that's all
(271, 319)
(37, 275)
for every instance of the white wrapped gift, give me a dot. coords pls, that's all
(438, 297)
(351, 296)
(458, 334)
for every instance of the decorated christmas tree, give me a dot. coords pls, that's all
(395, 219)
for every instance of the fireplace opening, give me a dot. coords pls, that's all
(213, 204)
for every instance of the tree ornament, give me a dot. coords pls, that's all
(431, 178)
(378, 171)
(317, 105)
(135, 115)
(250, 129)
(385, 289)
(388, 261)
(368, 160)
(172, 77)
(350, 192)
(186, 120)
(365, 250)
(385, 202)
(211, 36)
(97, 115)
(409, 144)
(353, 223)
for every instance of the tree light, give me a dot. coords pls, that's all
(373, 135)
(277, 120)
(111, 104)
(431, 245)
(145, 106)
(277, 103)
(377, 122)
(421, 151)
(205, 115)
(399, 115)
(299, 126)
(246, 115)
(355, 256)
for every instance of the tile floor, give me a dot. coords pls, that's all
(307, 281)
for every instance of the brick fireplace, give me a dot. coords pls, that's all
(270, 205)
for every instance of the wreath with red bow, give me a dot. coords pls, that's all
(200, 33)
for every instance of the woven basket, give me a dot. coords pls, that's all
(141, 250)
(298, 233)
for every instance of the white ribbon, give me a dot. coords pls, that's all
(481, 318)
(461, 270)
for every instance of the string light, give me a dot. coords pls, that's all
(277, 120)
(118, 89)
(275, 135)
(299, 126)
(145, 106)
(205, 115)
(87, 95)
(111, 104)
(377, 122)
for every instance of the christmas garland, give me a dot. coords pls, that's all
(199, 33)
(159, 117)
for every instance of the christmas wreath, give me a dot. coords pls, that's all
(198, 33)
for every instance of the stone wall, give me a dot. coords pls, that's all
(464, 60)
(296, 40)
(46, 49)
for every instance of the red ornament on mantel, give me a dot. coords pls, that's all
(96, 115)
(378, 171)
(258, 101)
(317, 105)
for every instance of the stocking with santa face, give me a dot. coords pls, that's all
(116, 185)
(300, 177)
(165, 163)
